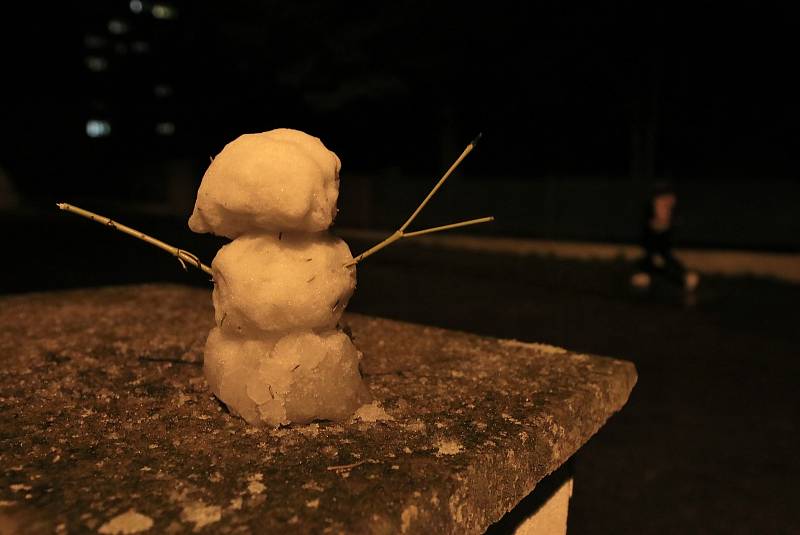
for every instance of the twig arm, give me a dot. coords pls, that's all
(372, 250)
(400, 235)
(448, 227)
(401, 232)
(441, 182)
(182, 256)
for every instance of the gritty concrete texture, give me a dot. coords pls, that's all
(108, 425)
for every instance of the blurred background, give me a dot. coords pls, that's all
(117, 106)
(582, 106)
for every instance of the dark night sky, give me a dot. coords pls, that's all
(558, 88)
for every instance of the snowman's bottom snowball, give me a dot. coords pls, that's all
(279, 379)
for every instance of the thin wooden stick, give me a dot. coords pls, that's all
(448, 227)
(342, 467)
(180, 254)
(399, 235)
(441, 181)
(374, 249)
(401, 232)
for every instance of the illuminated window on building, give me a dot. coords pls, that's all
(98, 128)
(164, 11)
(129, 74)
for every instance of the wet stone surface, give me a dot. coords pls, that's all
(107, 425)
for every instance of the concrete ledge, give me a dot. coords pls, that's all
(544, 511)
(782, 266)
(108, 425)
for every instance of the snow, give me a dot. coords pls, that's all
(299, 377)
(126, 523)
(372, 412)
(276, 355)
(281, 180)
(264, 282)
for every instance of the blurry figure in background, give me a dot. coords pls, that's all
(657, 243)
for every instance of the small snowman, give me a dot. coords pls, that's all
(276, 355)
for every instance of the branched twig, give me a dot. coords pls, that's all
(448, 227)
(182, 256)
(439, 184)
(401, 232)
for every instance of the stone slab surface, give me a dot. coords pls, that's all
(107, 425)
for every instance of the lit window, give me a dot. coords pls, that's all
(165, 129)
(140, 47)
(117, 27)
(136, 6)
(97, 128)
(162, 90)
(96, 63)
(164, 11)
